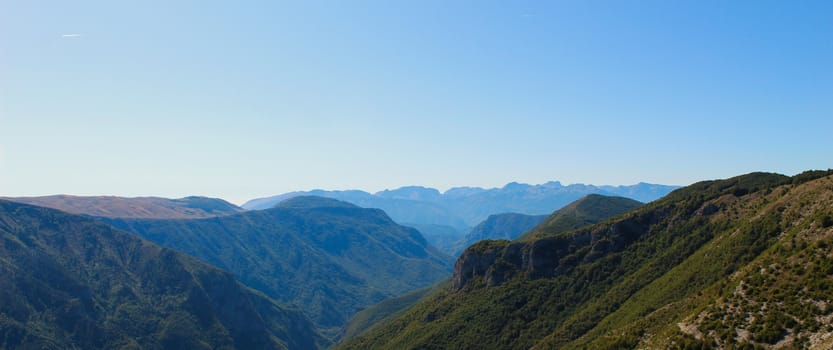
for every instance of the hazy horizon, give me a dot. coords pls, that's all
(241, 201)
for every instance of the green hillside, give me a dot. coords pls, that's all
(386, 310)
(499, 226)
(68, 282)
(331, 258)
(737, 263)
(591, 208)
(588, 210)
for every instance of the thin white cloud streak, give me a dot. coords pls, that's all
(71, 36)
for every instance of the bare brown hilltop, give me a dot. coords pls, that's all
(136, 207)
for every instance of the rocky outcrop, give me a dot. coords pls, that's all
(498, 261)
(477, 260)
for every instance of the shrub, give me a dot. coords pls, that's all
(825, 221)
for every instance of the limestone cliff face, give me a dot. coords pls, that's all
(498, 261)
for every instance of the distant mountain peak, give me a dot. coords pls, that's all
(462, 191)
(553, 184)
(412, 193)
(516, 186)
(309, 202)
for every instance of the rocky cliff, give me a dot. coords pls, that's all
(497, 261)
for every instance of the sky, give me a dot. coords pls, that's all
(245, 99)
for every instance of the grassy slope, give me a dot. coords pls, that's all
(588, 210)
(388, 309)
(779, 297)
(642, 266)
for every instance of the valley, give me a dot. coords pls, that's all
(600, 272)
(694, 269)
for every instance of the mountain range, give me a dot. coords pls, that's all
(745, 262)
(465, 207)
(329, 257)
(590, 209)
(68, 282)
(445, 218)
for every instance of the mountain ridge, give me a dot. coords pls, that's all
(70, 281)
(330, 260)
(134, 207)
(629, 282)
(465, 207)
(588, 210)
(498, 226)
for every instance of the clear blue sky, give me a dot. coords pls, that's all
(239, 99)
